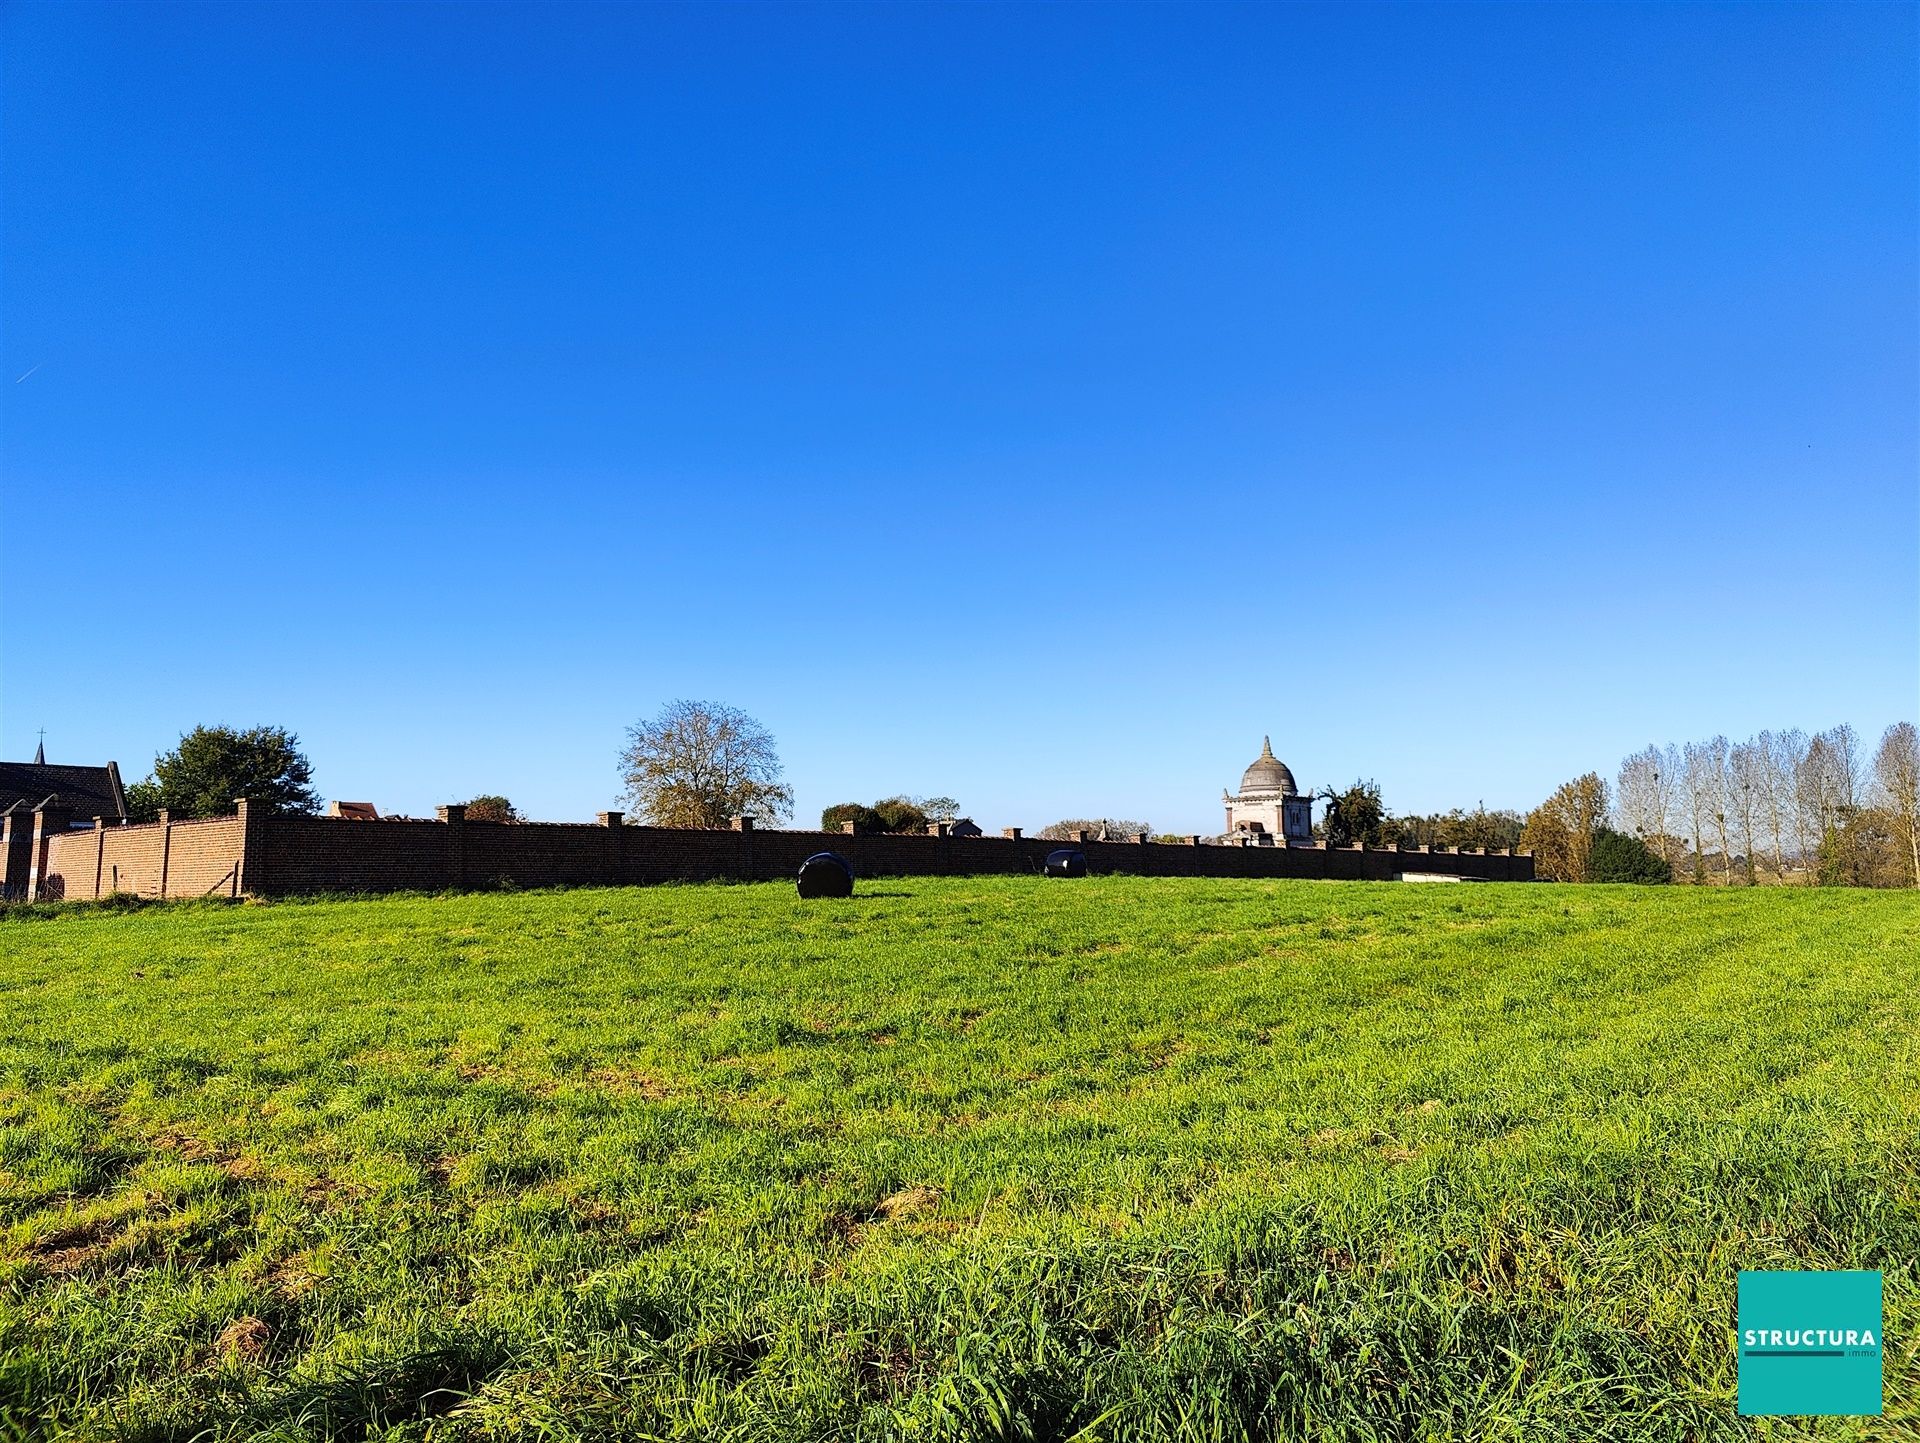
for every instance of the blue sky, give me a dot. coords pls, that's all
(1034, 405)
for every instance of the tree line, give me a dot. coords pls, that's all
(1779, 808)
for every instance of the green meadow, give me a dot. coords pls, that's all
(988, 1158)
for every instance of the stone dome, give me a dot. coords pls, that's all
(1268, 773)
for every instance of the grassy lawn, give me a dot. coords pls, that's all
(973, 1158)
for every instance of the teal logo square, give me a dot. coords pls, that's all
(1809, 1343)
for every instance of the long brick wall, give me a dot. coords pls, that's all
(168, 859)
(265, 855)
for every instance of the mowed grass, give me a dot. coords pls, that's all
(958, 1159)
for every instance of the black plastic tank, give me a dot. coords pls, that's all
(1067, 862)
(825, 874)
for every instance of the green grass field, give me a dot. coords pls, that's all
(958, 1159)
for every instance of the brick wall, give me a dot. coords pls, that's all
(165, 859)
(289, 856)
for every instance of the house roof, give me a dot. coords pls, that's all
(82, 791)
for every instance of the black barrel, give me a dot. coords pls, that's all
(825, 874)
(1066, 863)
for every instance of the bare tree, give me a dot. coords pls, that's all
(1896, 780)
(1843, 748)
(1745, 764)
(1813, 796)
(699, 764)
(1827, 782)
(1721, 776)
(1791, 758)
(1699, 785)
(1773, 781)
(1672, 776)
(1643, 804)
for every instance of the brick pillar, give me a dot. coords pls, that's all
(16, 852)
(455, 816)
(743, 854)
(614, 853)
(99, 851)
(166, 848)
(250, 867)
(1083, 837)
(851, 829)
(47, 822)
(1011, 832)
(1142, 837)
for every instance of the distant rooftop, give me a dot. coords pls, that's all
(83, 791)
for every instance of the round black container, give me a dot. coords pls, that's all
(1066, 863)
(825, 874)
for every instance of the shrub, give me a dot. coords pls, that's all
(1616, 857)
(862, 816)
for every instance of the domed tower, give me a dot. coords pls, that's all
(1268, 810)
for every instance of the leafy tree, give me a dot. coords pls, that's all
(901, 814)
(892, 814)
(863, 817)
(1561, 829)
(492, 809)
(1861, 849)
(700, 764)
(213, 767)
(143, 800)
(1896, 778)
(1111, 829)
(1355, 815)
(1616, 857)
(1458, 828)
(1832, 858)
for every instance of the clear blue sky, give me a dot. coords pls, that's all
(1035, 405)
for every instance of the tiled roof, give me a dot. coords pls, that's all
(83, 791)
